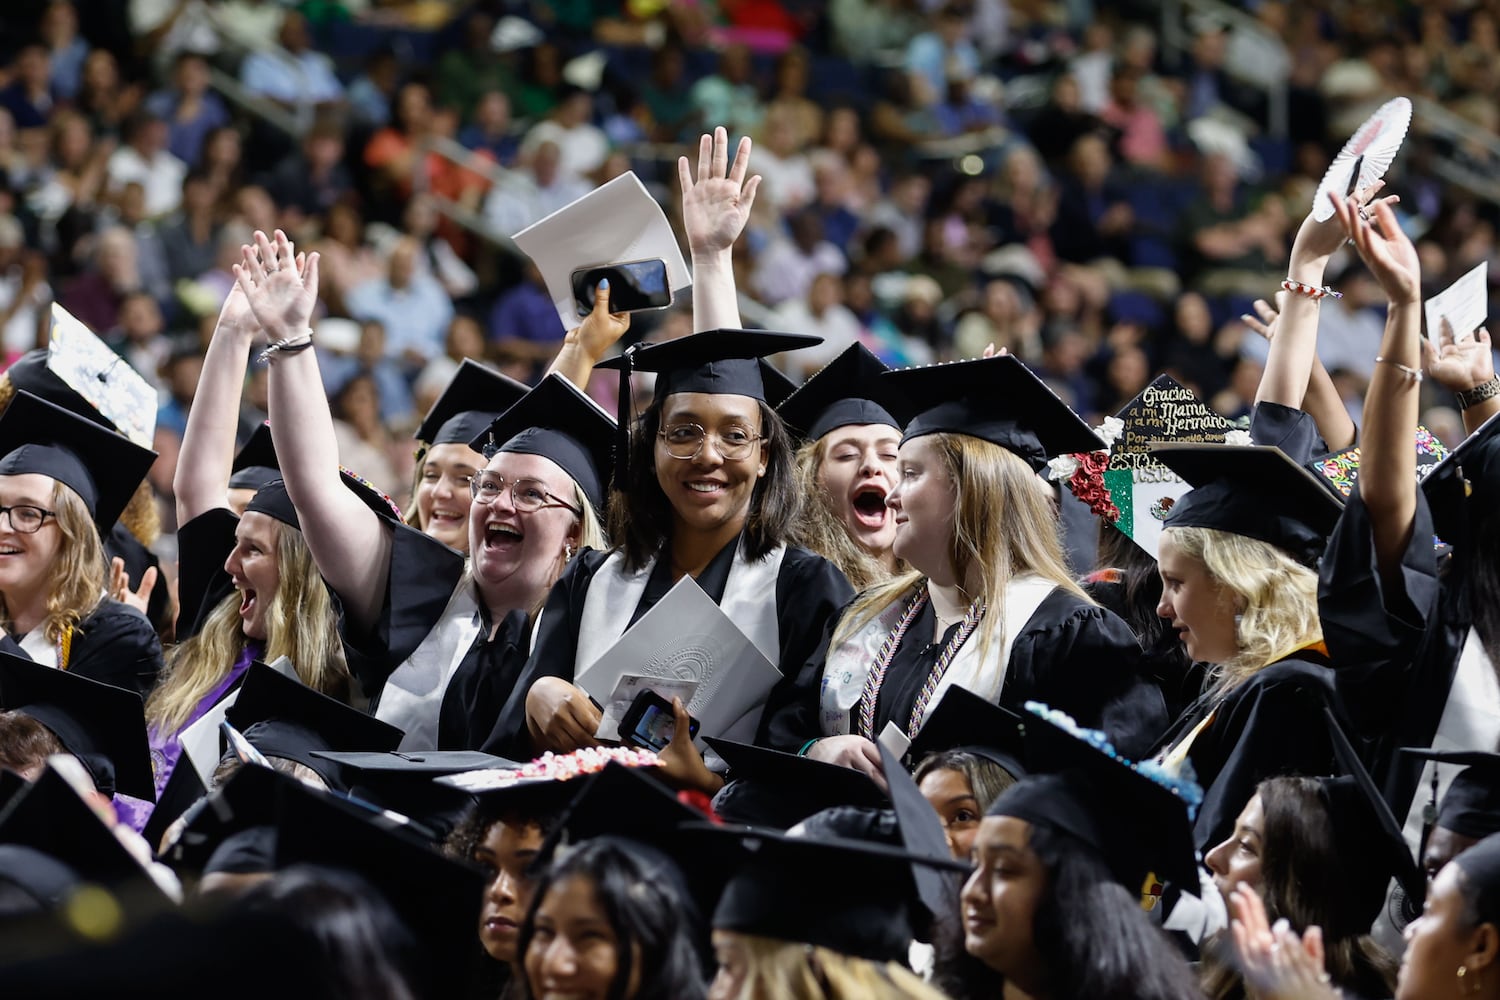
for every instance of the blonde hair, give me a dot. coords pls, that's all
(1002, 526)
(413, 512)
(75, 585)
(821, 530)
(300, 625)
(777, 969)
(1275, 596)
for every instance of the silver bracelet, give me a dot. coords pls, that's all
(1414, 375)
(288, 345)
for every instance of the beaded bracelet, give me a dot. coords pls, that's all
(1413, 374)
(1311, 291)
(290, 345)
(1467, 398)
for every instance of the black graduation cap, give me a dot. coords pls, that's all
(273, 500)
(1079, 785)
(232, 829)
(557, 422)
(628, 801)
(101, 466)
(777, 385)
(847, 390)
(409, 782)
(1255, 491)
(792, 788)
(45, 879)
(184, 788)
(103, 726)
(474, 397)
(438, 899)
(995, 399)
(963, 720)
(51, 817)
(1371, 845)
(1464, 488)
(282, 717)
(255, 464)
(1471, 806)
(721, 362)
(1481, 867)
(541, 798)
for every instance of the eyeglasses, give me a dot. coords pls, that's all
(685, 441)
(526, 494)
(26, 519)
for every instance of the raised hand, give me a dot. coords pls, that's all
(1383, 247)
(1321, 239)
(235, 316)
(717, 205)
(119, 585)
(1459, 365)
(280, 285)
(1268, 319)
(1275, 962)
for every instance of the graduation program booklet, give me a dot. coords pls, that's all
(1464, 304)
(687, 637)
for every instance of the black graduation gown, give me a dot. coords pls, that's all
(1070, 654)
(423, 573)
(114, 644)
(203, 545)
(1397, 648)
(1271, 725)
(809, 593)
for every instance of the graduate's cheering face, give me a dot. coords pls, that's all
(709, 491)
(1000, 901)
(858, 472)
(1441, 940)
(516, 554)
(574, 953)
(951, 795)
(506, 854)
(255, 568)
(442, 497)
(923, 504)
(1237, 861)
(1199, 607)
(26, 558)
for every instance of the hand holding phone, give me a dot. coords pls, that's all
(633, 286)
(650, 723)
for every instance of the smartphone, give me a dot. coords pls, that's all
(640, 284)
(650, 722)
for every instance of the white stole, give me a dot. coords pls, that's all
(1471, 721)
(413, 693)
(846, 668)
(749, 601)
(39, 647)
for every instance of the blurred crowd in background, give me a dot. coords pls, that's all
(1048, 176)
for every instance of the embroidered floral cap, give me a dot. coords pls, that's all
(994, 399)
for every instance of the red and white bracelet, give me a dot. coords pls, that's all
(1311, 291)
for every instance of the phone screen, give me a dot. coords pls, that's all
(655, 728)
(641, 284)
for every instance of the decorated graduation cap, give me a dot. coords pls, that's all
(791, 788)
(889, 866)
(994, 399)
(719, 362)
(1129, 488)
(100, 377)
(282, 717)
(846, 391)
(543, 788)
(255, 464)
(103, 726)
(102, 467)
(438, 899)
(964, 721)
(1464, 488)
(1340, 469)
(1138, 819)
(474, 397)
(1255, 491)
(52, 817)
(1471, 805)
(1371, 846)
(559, 423)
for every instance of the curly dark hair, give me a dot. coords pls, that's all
(640, 515)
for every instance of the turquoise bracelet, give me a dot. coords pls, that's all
(807, 746)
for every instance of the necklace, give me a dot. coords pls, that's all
(875, 679)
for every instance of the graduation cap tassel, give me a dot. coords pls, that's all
(622, 416)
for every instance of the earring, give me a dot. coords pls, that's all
(1463, 972)
(1237, 620)
(568, 549)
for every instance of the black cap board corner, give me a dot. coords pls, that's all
(1465, 486)
(962, 720)
(101, 466)
(800, 786)
(474, 396)
(255, 464)
(102, 725)
(558, 422)
(846, 391)
(996, 399)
